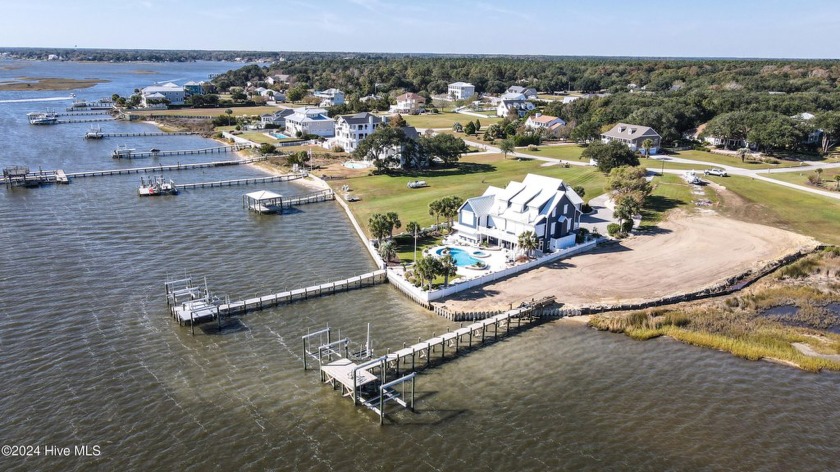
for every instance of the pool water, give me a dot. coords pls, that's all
(279, 135)
(462, 257)
(357, 164)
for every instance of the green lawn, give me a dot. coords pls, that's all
(445, 120)
(782, 207)
(656, 165)
(800, 177)
(384, 193)
(670, 192)
(734, 161)
(568, 153)
(258, 137)
(237, 111)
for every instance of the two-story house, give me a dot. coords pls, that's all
(277, 118)
(409, 103)
(633, 136)
(513, 103)
(330, 97)
(174, 94)
(529, 92)
(549, 125)
(544, 205)
(461, 90)
(310, 121)
(350, 130)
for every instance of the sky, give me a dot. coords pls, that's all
(649, 28)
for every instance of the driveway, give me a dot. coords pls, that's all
(600, 216)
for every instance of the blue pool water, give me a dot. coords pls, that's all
(279, 135)
(356, 164)
(462, 257)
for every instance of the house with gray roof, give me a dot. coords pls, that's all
(529, 92)
(548, 207)
(350, 130)
(310, 121)
(633, 136)
(277, 118)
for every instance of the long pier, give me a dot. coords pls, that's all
(162, 168)
(83, 113)
(140, 135)
(86, 120)
(130, 154)
(249, 181)
(371, 381)
(190, 304)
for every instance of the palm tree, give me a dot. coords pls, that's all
(427, 268)
(393, 222)
(435, 208)
(742, 153)
(837, 179)
(228, 112)
(506, 146)
(646, 145)
(388, 251)
(448, 269)
(528, 241)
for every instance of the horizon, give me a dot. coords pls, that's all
(657, 30)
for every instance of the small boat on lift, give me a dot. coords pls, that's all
(123, 152)
(157, 185)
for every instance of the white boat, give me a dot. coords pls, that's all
(155, 186)
(123, 151)
(95, 132)
(690, 176)
(42, 118)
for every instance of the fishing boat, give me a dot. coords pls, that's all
(95, 132)
(42, 118)
(123, 152)
(157, 185)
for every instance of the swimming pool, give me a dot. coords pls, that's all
(357, 164)
(462, 257)
(279, 135)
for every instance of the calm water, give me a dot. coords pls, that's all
(89, 355)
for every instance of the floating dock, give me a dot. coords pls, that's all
(133, 154)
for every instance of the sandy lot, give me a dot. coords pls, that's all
(687, 253)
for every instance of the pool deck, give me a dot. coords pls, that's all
(496, 259)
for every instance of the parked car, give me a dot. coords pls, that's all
(716, 171)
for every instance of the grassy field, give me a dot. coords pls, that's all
(670, 191)
(384, 193)
(801, 177)
(764, 203)
(568, 153)
(735, 161)
(237, 111)
(258, 137)
(656, 166)
(445, 120)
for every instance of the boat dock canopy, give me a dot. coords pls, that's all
(264, 201)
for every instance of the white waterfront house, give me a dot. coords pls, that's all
(545, 205)
(409, 103)
(513, 103)
(330, 97)
(633, 136)
(310, 121)
(175, 94)
(461, 90)
(350, 130)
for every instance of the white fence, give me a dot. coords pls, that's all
(423, 297)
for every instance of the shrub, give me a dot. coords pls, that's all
(613, 229)
(626, 226)
(581, 235)
(585, 208)
(337, 148)
(533, 147)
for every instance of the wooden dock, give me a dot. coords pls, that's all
(129, 154)
(21, 176)
(151, 134)
(249, 181)
(189, 304)
(161, 168)
(83, 113)
(86, 120)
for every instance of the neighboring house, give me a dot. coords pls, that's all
(409, 103)
(330, 97)
(278, 97)
(193, 88)
(550, 125)
(310, 121)
(461, 90)
(815, 136)
(174, 93)
(513, 103)
(545, 205)
(278, 118)
(569, 99)
(396, 151)
(529, 92)
(633, 136)
(277, 79)
(350, 130)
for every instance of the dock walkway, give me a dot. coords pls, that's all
(249, 181)
(130, 154)
(161, 168)
(150, 134)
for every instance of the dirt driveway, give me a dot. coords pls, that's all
(687, 253)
